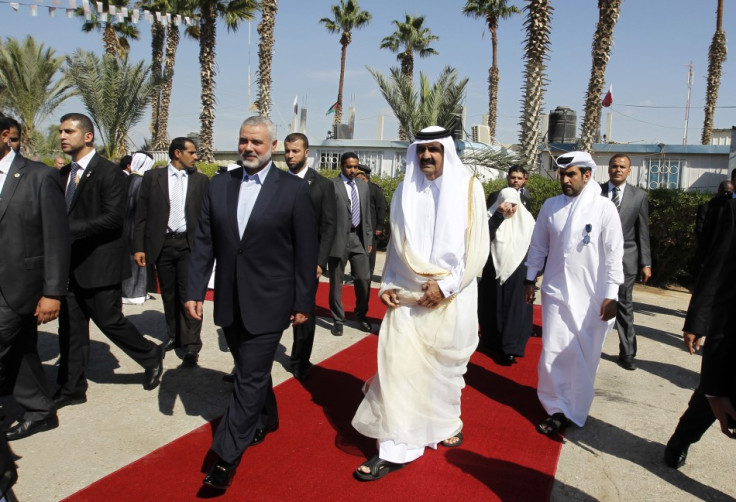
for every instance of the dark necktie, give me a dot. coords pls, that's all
(615, 198)
(355, 204)
(72, 186)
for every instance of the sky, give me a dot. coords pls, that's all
(654, 43)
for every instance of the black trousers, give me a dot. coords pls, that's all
(21, 372)
(253, 403)
(697, 419)
(625, 317)
(104, 307)
(301, 350)
(172, 268)
(355, 254)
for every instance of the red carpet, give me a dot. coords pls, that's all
(313, 454)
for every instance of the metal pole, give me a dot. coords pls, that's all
(687, 104)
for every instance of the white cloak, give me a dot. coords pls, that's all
(577, 278)
(414, 399)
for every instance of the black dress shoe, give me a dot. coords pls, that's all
(230, 377)
(152, 376)
(61, 400)
(365, 326)
(627, 362)
(220, 475)
(25, 428)
(190, 359)
(336, 329)
(260, 434)
(302, 374)
(675, 453)
(168, 344)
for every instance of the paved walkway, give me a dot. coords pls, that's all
(616, 456)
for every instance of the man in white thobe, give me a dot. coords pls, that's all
(579, 232)
(439, 244)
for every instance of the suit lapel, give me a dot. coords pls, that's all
(233, 190)
(267, 192)
(88, 172)
(341, 190)
(163, 184)
(15, 173)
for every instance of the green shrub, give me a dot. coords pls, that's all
(209, 169)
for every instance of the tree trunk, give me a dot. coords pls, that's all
(344, 42)
(493, 79)
(161, 141)
(608, 11)
(716, 58)
(207, 39)
(265, 56)
(110, 41)
(157, 51)
(539, 14)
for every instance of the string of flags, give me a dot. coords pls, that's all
(120, 14)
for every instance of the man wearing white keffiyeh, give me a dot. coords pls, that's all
(439, 244)
(579, 232)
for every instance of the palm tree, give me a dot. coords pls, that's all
(539, 15)
(346, 17)
(114, 92)
(30, 88)
(265, 54)
(716, 58)
(492, 11)
(413, 37)
(115, 35)
(162, 66)
(431, 104)
(608, 13)
(233, 12)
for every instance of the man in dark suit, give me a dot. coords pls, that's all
(322, 192)
(165, 222)
(353, 243)
(633, 208)
(514, 179)
(378, 212)
(258, 223)
(95, 198)
(34, 269)
(711, 314)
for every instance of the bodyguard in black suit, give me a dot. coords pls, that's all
(711, 315)
(34, 268)
(514, 179)
(258, 223)
(165, 222)
(633, 208)
(322, 192)
(95, 198)
(353, 242)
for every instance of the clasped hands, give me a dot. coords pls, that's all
(432, 296)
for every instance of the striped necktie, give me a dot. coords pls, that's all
(355, 204)
(615, 198)
(72, 186)
(176, 207)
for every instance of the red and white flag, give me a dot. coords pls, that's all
(608, 98)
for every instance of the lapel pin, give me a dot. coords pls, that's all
(17, 175)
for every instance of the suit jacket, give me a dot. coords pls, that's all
(322, 192)
(99, 252)
(378, 207)
(711, 311)
(344, 215)
(152, 210)
(34, 249)
(269, 271)
(634, 213)
(494, 195)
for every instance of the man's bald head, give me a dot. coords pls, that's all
(726, 188)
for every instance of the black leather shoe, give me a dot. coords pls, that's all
(25, 428)
(260, 434)
(365, 326)
(627, 362)
(336, 329)
(168, 344)
(61, 400)
(675, 453)
(152, 376)
(190, 359)
(230, 377)
(301, 373)
(220, 475)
